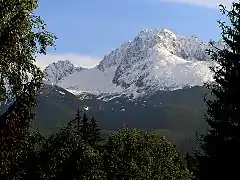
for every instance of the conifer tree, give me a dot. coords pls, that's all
(87, 130)
(65, 156)
(85, 134)
(220, 157)
(94, 131)
(78, 116)
(76, 124)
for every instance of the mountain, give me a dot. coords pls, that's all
(156, 59)
(56, 71)
(177, 114)
(152, 83)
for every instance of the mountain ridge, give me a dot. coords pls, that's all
(156, 59)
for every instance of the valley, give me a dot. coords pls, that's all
(177, 114)
(154, 82)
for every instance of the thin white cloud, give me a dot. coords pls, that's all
(77, 59)
(206, 3)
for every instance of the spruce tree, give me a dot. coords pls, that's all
(79, 126)
(85, 134)
(78, 115)
(220, 157)
(65, 156)
(94, 131)
(76, 124)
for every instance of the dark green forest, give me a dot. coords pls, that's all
(74, 145)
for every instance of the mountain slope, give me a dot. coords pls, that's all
(152, 82)
(177, 114)
(155, 60)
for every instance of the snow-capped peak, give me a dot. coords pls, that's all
(156, 59)
(152, 33)
(184, 47)
(56, 71)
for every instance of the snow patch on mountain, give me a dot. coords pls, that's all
(92, 81)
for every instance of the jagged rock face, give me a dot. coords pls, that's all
(178, 45)
(155, 60)
(56, 71)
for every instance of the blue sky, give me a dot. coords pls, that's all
(89, 29)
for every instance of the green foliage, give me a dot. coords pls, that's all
(132, 154)
(191, 164)
(128, 154)
(220, 156)
(84, 131)
(22, 36)
(17, 139)
(87, 130)
(65, 155)
(94, 130)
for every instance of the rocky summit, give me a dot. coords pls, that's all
(156, 59)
